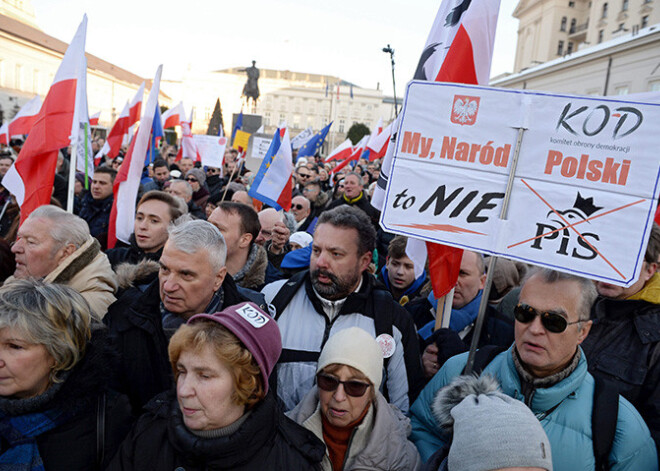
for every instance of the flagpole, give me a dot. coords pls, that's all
(443, 311)
(86, 157)
(72, 177)
(493, 259)
(231, 177)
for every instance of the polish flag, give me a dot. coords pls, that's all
(31, 177)
(136, 106)
(94, 119)
(127, 181)
(359, 148)
(188, 147)
(378, 143)
(115, 137)
(173, 116)
(341, 152)
(272, 185)
(4, 138)
(25, 118)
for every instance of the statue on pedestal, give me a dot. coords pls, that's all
(251, 87)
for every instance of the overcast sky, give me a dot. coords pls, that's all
(343, 38)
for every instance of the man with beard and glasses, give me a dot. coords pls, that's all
(336, 293)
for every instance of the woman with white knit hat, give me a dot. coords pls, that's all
(346, 410)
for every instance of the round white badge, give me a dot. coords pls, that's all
(387, 344)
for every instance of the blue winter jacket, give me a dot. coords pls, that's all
(568, 427)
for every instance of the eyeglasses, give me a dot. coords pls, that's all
(304, 175)
(352, 388)
(552, 321)
(297, 206)
(191, 179)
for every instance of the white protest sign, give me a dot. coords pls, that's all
(211, 149)
(585, 188)
(260, 146)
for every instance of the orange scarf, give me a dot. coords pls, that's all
(336, 439)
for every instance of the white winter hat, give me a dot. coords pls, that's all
(357, 348)
(303, 239)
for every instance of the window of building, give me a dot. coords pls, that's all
(267, 118)
(622, 90)
(341, 125)
(562, 27)
(604, 15)
(281, 118)
(3, 83)
(645, 21)
(571, 4)
(560, 48)
(600, 36)
(296, 121)
(569, 49)
(573, 26)
(654, 86)
(19, 77)
(624, 5)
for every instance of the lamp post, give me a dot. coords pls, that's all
(390, 51)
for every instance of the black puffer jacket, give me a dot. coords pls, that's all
(136, 330)
(73, 445)
(267, 440)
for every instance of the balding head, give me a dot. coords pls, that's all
(267, 218)
(300, 207)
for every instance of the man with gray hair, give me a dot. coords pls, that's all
(56, 246)
(182, 189)
(547, 370)
(192, 279)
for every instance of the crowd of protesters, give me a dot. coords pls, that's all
(227, 335)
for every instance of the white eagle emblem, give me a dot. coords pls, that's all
(464, 110)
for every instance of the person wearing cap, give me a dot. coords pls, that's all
(222, 415)
(197, 179)
(192, 279)
(347, 411)
(546, 369)
(489, 430)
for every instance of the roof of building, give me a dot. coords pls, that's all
(291, 76)
(35, 36)
(566, 60)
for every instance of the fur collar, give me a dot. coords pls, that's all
(78, 260)
(253, 273)
(129, 274)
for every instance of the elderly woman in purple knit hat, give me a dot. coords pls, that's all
(223, 415)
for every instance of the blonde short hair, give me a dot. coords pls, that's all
(52, 315)
(248, 383)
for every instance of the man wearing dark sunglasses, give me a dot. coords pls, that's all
(624, 343)
(547, 370)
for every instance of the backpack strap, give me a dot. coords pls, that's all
(286, 293)
(483, 357)
(604, 416)
(100, 431)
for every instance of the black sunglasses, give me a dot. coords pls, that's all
(552, 321)
(297, 206)
(190, 179)
(352, 388)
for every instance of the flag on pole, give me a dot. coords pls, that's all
(25, 118)
(272, 185)
(378, 143)
(31, 177)
(298, 141)
(94, 119)
(157, 132)
(4, 138)
(341, 152)
(115, 137)
(313, 145)
(188, 147)
(173, 116)
(127, 181)
(352, 94)
(135, 107)
(237, 127)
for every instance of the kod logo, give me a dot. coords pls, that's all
(464, 110)
(622, 121)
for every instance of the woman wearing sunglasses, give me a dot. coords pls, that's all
(346, 410)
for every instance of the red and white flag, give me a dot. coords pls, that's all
(115, 137)
(173, 116)
(459, 49)
(341, 152)
(4, 138)
(94, 119)
(378, 143)
(31, 177)
(135, 107)
(127, 181)
(188, 148)
(25, 118)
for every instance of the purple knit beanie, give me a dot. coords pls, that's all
(256, 329)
